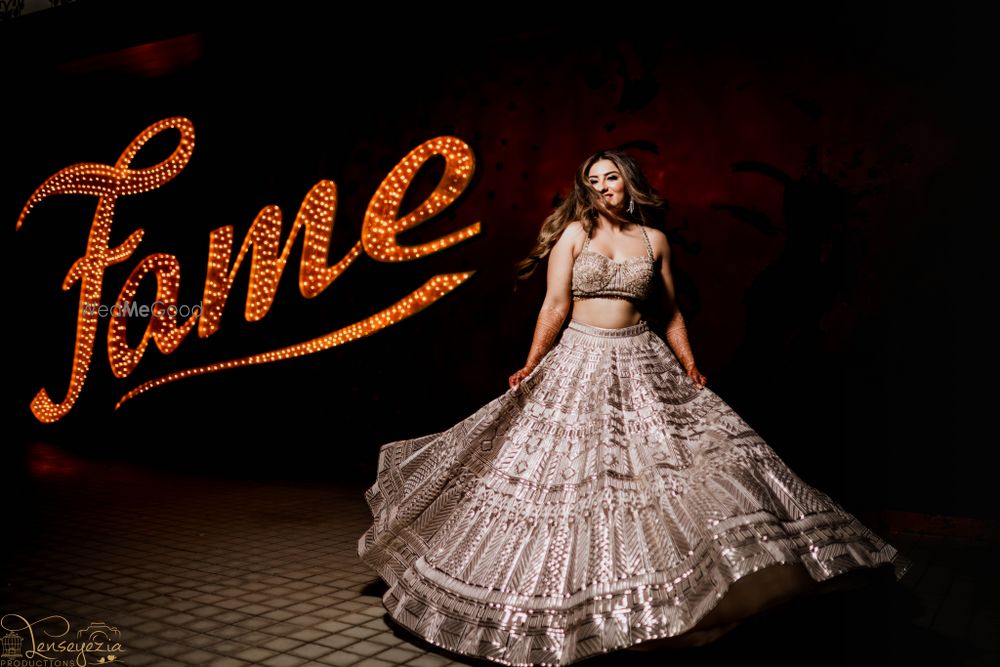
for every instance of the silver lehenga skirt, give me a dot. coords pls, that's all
(603, 502)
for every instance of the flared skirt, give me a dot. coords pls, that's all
(605, 501)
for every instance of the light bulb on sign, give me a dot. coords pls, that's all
(263, 239)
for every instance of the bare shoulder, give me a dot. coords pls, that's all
(658, 240)
(573, 234)
(574, 229)
(656, 237)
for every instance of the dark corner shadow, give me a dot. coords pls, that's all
(871, 625)
(375, 588)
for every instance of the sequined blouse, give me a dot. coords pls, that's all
(598, 276)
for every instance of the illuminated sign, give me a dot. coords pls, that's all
(268, 259)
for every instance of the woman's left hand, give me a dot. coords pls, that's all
(698, 378)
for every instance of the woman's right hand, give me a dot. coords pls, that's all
(516, 378)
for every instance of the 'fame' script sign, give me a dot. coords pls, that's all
(169, 322)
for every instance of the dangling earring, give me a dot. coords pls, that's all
(631, 205)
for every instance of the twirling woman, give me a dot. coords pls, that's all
(609, 499)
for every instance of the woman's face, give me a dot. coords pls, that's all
(606, 179)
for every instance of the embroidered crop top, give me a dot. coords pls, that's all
(598, 276)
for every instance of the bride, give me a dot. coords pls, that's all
(609, 499)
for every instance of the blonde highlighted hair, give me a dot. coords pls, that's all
(584, 203)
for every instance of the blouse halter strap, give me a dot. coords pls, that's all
(645, 237)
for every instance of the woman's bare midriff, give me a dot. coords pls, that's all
(606, 313)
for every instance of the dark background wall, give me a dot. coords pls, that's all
(818, 169)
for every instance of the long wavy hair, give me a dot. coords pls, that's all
(585, 203)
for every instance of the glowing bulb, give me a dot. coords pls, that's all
(316, 215)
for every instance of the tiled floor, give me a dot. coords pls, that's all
(221, 572)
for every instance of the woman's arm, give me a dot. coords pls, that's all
(676, 333)
(558, 299)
